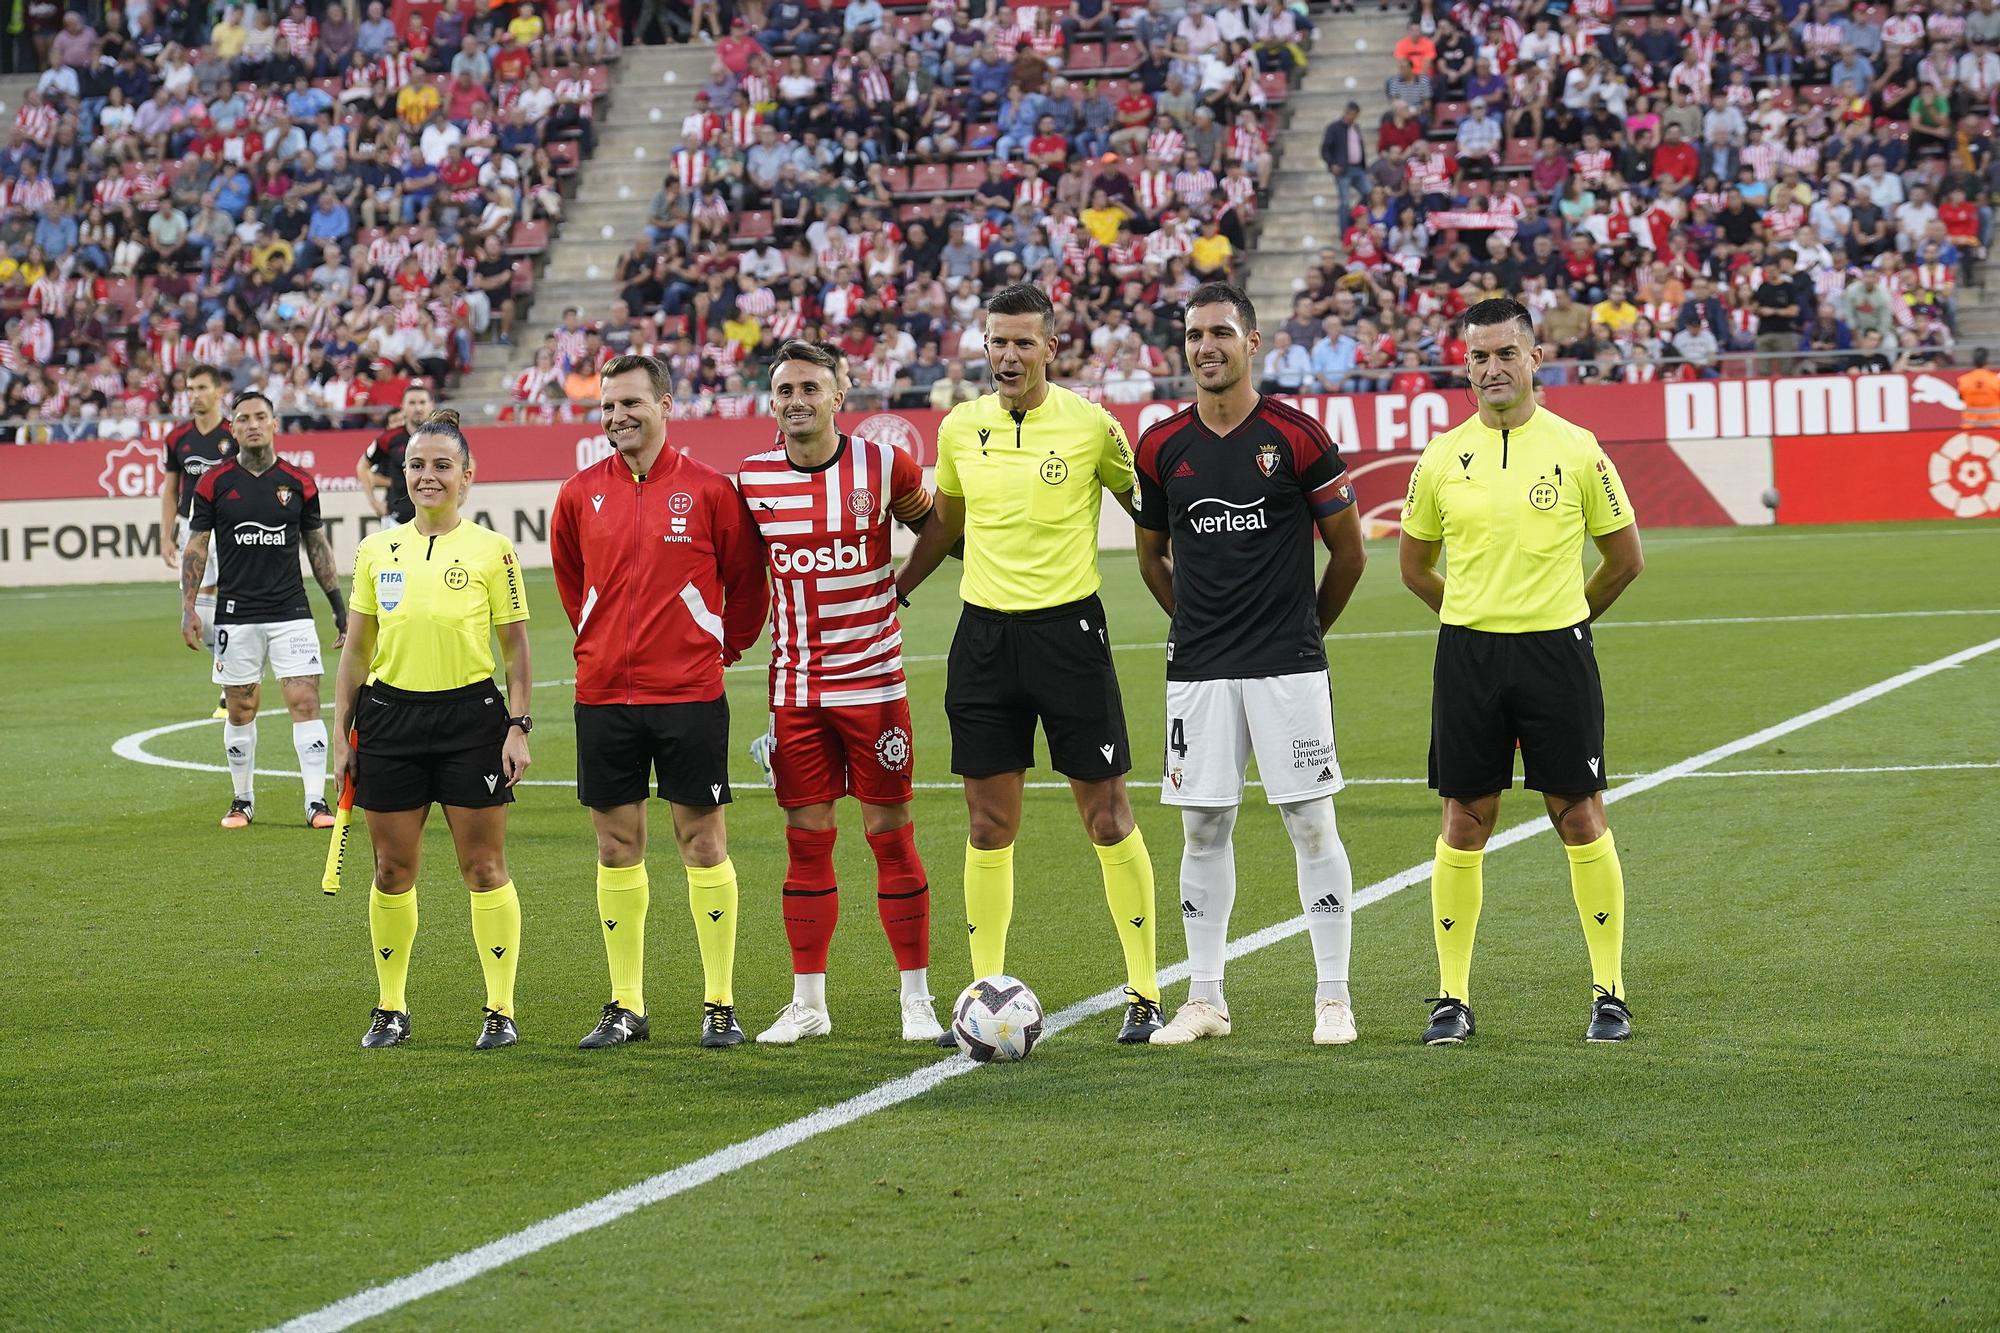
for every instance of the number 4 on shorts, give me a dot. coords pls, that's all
(1177, 738)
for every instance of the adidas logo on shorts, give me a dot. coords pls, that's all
(1325, 774)
(1327, 906)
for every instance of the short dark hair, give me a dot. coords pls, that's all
(202, 370)
(657, 374)
(1024, 298)
(813, 354)
(1225, 293)
(1497, 310)
(1979, 356)
(445, 422)
(249, 396)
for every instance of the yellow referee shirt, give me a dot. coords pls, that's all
(1032, 488)
(1512, 508)
(435, 601)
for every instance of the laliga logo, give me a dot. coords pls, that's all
(820, 560)
(886, 428)
(1965, 476)
(132, 470)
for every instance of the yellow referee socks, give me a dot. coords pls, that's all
(1598, 882)
(622, 895)
(1457, 886)
(496, 929)
(1128, 888)
(989, 906)
(392, 928)
(712, 900)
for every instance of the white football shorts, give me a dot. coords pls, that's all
(291, 647)
(1213, 727)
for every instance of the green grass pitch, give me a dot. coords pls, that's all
(1802, 1134)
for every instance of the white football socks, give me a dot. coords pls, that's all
(809, 989)
(1326, 884)
(239, 748)
(916, 981)
(1208, 893)
(309, 741)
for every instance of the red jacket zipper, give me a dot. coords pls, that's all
(639, 528)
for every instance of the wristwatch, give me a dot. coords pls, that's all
(524, 722)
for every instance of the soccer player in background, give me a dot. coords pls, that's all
(260, 511)
(661, 572)
(380, 470)
(417, 676)
(1021, 474)
(840, 707)
(1507, 499)
(1232, 491)
(195, 446)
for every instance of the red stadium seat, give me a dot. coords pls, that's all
(910, 212)
(817, 66)
(754, 225)
(600, 80)
(1115, 89)
(1121, 56)
(529, 238)
(907, 26)
(1275, 85)
(930, 178)
(1084, 58)
(965, 176)
(898, 179)
(673, 326)
(123, 294)
(1520, 153)
(524, 278)
(948, 348)
(565, 154)
(1445, 117)
(370, 235)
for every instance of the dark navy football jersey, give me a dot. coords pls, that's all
(1241, 511)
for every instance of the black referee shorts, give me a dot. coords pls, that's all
(1008, 670)
(1490, 690)
(413, 748)
(619, 747)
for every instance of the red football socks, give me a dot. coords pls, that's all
(812, 898)
(903, 896)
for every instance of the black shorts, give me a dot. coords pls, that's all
(1490, 690)
(619, 746)
(414, 748)
(1009, 669)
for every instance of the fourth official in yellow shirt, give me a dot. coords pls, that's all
(416, 691)
(1508, 499)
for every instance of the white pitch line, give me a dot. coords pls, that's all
(133, 748)
(462, 1268)
(1430, 632)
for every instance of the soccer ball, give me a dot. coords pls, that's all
(997, 1019)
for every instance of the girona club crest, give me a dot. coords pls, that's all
(860, 503)
(892, 750)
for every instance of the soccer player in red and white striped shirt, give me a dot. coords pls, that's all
(840, 707)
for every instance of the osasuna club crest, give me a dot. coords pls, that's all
(284, 496)
(1267, 458)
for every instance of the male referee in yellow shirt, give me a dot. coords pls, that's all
(1508, 498)
(1021, 475)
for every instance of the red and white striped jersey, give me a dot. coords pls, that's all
(37, 337)
(1592, 165)
(1192, 187)
(1743, 321)
(569, 345)
(761, 91)
(35, 196)
(1641, 372)
(396, 71)
(1033, 190)
(873, 88)
(1167, 145)
(785, 324)
(1762, 158)
(38, 122)
(1247, 143)
(529, 384)
(743, 123)
(1156, 190)
(299, 35)
(691, 167)
(835, 639)
(217, 349)
(387, 252)
(51, 293)
(579, 91)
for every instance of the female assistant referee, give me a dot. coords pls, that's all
(416, 689)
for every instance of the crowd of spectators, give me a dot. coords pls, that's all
(1775, 186)
(321, 202)
(863, 175)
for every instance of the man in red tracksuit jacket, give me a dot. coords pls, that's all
(661, 570)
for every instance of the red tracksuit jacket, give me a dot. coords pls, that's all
(663, 579)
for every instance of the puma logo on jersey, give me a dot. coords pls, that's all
(596, 503)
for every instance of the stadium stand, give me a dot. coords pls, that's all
(1660, 186)
(867, 182)
(322, 206)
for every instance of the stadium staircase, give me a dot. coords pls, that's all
(1299, 217)
(614, 188)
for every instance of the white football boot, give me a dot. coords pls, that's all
(1191, 1022)
(1333, 1023)
(919, 1019)
(796, 1022)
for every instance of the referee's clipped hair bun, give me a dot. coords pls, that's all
(444, 422)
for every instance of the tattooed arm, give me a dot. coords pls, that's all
(319, 551)
(194, 560)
